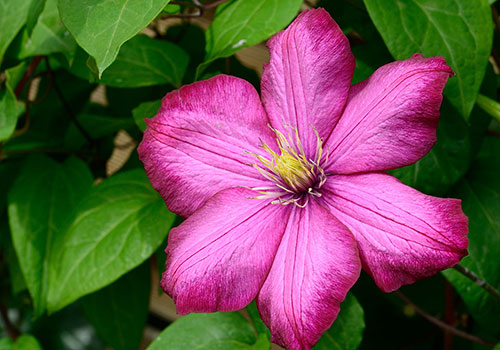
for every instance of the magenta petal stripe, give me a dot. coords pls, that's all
(219, 257)
(315, 266)
(403, 235)
(198, 143)
(390, 119)
(306, 82)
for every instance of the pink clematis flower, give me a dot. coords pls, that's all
(286, 196)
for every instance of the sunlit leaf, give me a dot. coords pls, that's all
(40, 204)
(117, 226)
(459, 30)
(242, 23)
(102, 26)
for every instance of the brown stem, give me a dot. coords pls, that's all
(6, 154)
(199, 6)
(496, 19)
(12, 331)
(493, 133)
(27, 75)
(443, 325)
(477, 280)
(449, 314)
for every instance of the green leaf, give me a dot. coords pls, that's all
(217, 331)
(259, 325)
(142, 61)
(10, 110)
(119, 311)
(40, 204)
(49, 35)
(97, 126)
(145, 110)
(459, 30)
(102, 26)
(17, 282)
(480, 194)
(6, 344)
(24, 342)
(50, 120)
(34, 12)
(27, 342)
(242, 23)
(346, 332)
(117, 226)
(12, 17)
(489, 105)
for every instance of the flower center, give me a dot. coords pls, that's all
(294, 175)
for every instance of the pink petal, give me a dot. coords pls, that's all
(403, 235)
(219, 257)
(198, 143)
(390, 119)
(316, 264)
(307, 80)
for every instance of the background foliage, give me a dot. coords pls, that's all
(81, 243)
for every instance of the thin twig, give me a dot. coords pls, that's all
(493, 133)
(10, 328)
(27, 75)
(477, 280)
(449, 314)
(196, 4)
(66, 105)
(496, 19)
(12, 331)
(444, 325)
(6, 154)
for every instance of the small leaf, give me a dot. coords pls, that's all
(119, 311)
(459, 30)
(243, 23)
(102, 26)
(217, 331)
(6, 344)
(117, 226)
(145, 110)
(27, 342)
(142, 61)
(41, 203)
(34, 12)
(12, 17)
(346, 332)
(480, 194)
(49, 35)
(10, 110)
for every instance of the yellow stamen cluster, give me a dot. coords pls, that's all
(290, 170)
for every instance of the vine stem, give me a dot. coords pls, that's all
(477, 280)
(443, 325)
(200, 7)
(11, 330)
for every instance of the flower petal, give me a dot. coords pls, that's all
(316, 264)
(403, 235)
(198, 143)
(390, 119)
(219, 257)
(307, 79)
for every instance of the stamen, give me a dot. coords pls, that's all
(293, 174)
